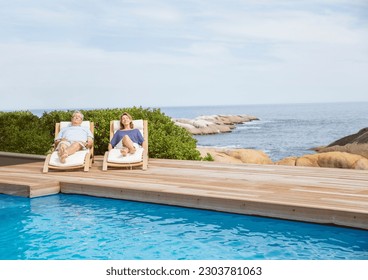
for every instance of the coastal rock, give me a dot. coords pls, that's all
(328, 159)
(213, 124)
(352, 148)
(361, 137)
(250, 156)
(236, 155)
(287, 161)
(354, 144)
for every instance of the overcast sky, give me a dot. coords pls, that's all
(153, 53)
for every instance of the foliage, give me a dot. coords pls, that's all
(165, 139)
(22, 132)
(208, 157)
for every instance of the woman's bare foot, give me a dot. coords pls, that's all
(124, 151)
(132, 150)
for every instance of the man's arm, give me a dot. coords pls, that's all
(56, 142)
(59, 138)
(89, 143)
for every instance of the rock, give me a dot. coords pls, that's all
(352, 148)
(355, 144)
(249, 156)
(218, 155)
(287, 161)
(361, 137)
(328, 159)
(213, 124)
(236, 155)
(192, 129)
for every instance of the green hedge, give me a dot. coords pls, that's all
(23, 132)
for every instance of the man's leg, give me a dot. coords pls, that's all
(61, 152)
(73, 148)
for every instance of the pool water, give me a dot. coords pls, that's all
(80, 227)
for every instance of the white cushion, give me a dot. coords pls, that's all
(84, 123)
(136, 123)
(72, 160)
(115, 156)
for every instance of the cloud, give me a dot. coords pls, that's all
(158, 14)
(181, 53)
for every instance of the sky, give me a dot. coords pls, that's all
(158, 53)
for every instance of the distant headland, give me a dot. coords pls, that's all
(212, 124)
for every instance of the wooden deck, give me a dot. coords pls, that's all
(319, 195)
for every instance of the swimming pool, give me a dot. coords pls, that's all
(81, 227)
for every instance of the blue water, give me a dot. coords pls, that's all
(82, 227)
(283, 130)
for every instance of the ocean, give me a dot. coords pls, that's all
(282, 130)
(285, 129)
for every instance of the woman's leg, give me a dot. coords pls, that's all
(128, 146)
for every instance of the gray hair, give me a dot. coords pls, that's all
(78, 112)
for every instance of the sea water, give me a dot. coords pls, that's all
(81, 227)
(282, 130)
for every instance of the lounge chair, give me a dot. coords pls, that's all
(114, 158)
(80, 159)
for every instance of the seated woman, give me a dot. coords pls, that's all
(131, 138)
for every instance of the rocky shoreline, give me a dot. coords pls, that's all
(212, 124)
(350, 152)
(249, 156)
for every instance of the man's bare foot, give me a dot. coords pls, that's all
(61, 151)
(62, 154)
(63, 158)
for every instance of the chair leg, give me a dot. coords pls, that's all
(104, 163)
(46, 164)
(145, 162)
(87, 162)
(86, 167)
(145, 165)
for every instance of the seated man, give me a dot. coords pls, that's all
(73, 138)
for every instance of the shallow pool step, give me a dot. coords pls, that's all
(28, 187)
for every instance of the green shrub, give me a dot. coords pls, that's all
(208, 157)
(165, 139)
(22, 132)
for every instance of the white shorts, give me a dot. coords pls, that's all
(69, 143)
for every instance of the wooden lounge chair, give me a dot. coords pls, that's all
(80, 159)
(113, 158)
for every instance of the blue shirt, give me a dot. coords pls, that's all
(134, 134)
